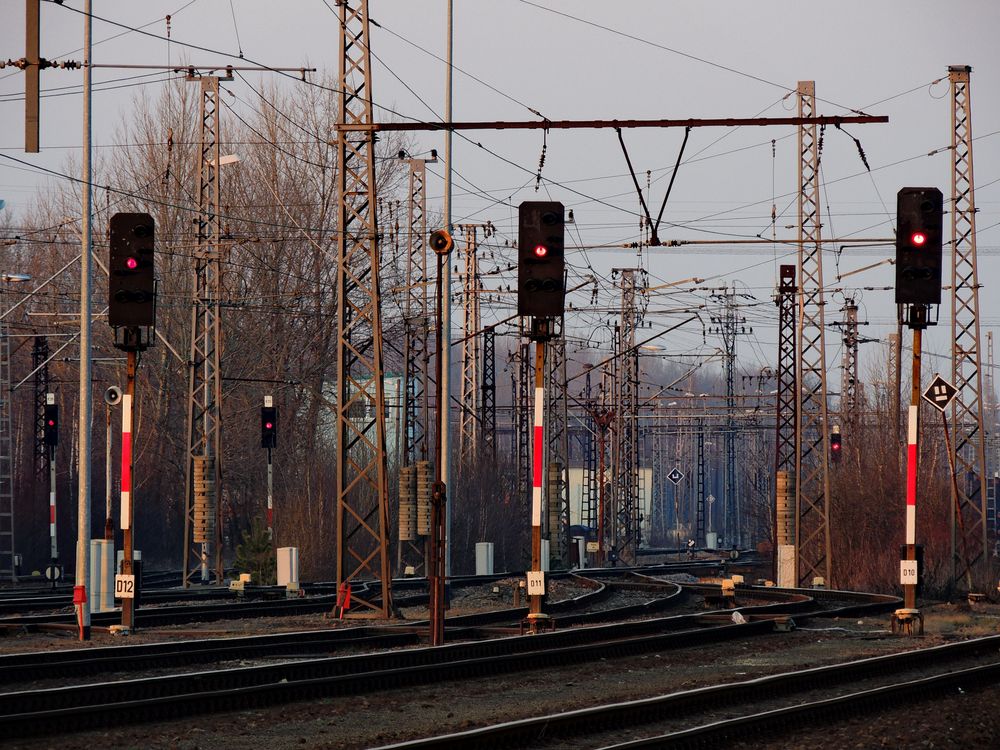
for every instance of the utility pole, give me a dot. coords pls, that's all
(468, 434)
(786, 429)
(588, 509)
(700, 510)
(362, 486)
(414, 490)
(729, 325)
(82, 574)
(812, 439)
(850, 398)
(488, 402)
(625, 517)
(203, 486)
(40, 366)
(968, 528)
(557, 488)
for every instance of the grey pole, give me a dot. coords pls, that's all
(83, 497)
(445, 352)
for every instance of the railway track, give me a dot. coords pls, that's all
(145, 699)
(711, 716)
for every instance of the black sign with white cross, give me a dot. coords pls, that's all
(675, 475)
(940, 393)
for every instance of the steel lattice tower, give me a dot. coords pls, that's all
(488, 403)
(968, 529)
(992, 444)
(658, 503)
(625, 517)
(589, 443)
(850, 397)
(417, 317)
(468, 436)
(40, 366)
(700, 498)
(362, 486)
(204, 422)
(812, 480)
(523, 423)
(727, 324)
(557, 497)
(8, 570)
(786, 400)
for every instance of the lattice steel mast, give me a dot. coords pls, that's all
(40, 366)
(362, 486)
(812, 439)
(414, 518)
(468, 435)
(786, 405)
(968, 530)
(727, 324)
(850, 398)
(625, 517)
(203, 485)
(557, 498)
(8, 570)
(488, 402)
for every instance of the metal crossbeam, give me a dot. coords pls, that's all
(969, 490)
(204, 422)
(812, 439)
(362, 486)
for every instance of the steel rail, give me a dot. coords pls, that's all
(35, 711)
(683, 705)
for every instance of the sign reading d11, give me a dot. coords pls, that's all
(940, 393)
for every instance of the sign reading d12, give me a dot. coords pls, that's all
(675, 475)
(124, 586)
(940, 393)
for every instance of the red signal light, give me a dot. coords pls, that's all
(918, 238)
(541, 251)
(52, 423)
(269, 425)
(131, 263)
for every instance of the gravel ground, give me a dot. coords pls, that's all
(967, 720)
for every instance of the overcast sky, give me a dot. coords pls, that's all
(589, 59)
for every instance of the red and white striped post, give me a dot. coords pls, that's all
(127, 500)
(903, 619)
(536, 579)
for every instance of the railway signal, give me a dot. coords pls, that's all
(268, 427)
(131, 283)
(541, 263)
(835, 444)
(919, 218)
(50, 433)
